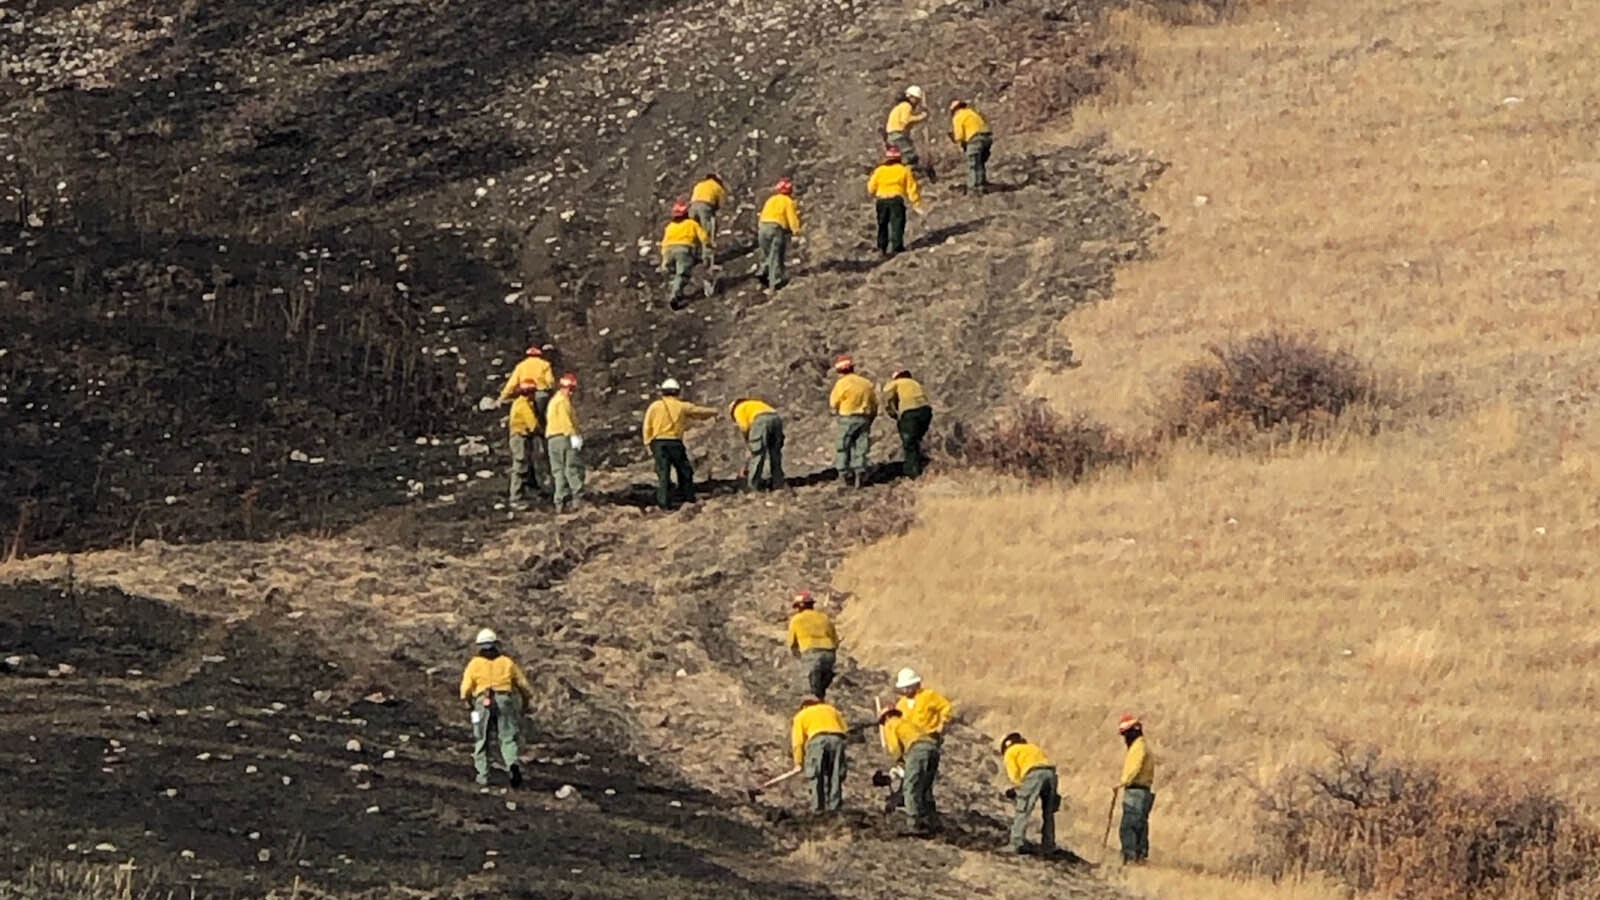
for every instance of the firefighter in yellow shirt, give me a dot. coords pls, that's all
(498, 692)
(916, 753)
(664, 424)
(816, 738)
(762, 429)
(926, 708)
(907, 404)
(813, 639)
(892, 186)
(705, 201)
(855, 403)
(564, 440)
(1138, 778)
(683, 244)
(780, 221)
(528, 456)
(971, 133)
(905, 115)
(1036, 784)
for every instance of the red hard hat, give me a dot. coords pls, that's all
(891, 152)
(785, 186)
(843, 363)
(680, 207)
(535, 351)
(1125, 723)
(569, 380)
(803, 597)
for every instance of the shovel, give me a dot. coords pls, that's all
(711, 272)
(756, 791)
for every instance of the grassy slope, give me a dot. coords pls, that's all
(1416, 183)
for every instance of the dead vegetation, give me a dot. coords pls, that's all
(1037, 443)
(1407, 830)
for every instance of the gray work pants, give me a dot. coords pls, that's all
(503, 714)
(824, 767)
(766, 452)
(1039, 788)
(921, 768)
(977, 153)
(818, 665)
(772, 241)
(525, 449)
(681, 261)
(1135, 830)
(566, 468)
(853, 446)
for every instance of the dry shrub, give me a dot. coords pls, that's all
(1403, 830)
(1275, 384)
(1036, 442)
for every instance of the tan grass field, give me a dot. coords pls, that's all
(1417, 183)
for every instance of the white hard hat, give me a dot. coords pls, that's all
(487, 636)
(914, 92)
(671, 384)
(907, 678)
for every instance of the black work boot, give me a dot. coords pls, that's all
(516, 775)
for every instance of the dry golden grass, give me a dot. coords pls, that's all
(1418, 183)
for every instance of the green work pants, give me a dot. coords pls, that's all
(672, 458)
(977, 153)
(913, 425)
(1135, 830)
(921, 765)
(681, 261)
(706, 215)
(854, 444)
(901, 140)
(772, 241)
(766, 452)
(824, 767)
(527, 452)
(818, 665)
(503, 713)
(566, 468)
(1039, 788)
(891, 225)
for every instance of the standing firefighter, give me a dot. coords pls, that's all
(683, 244)
(817, 739)
(705, 201)
(1035, 779)
(926, 708)
(904, 116)
(564, 441)
(780, 221)
(907, 404)
(893, 186)
(531, 377)
(762, 429)
(856, 404)
(498, 692)
(813, 638)
(664, 424)
(916, 753)
(971, 133)
(1138, 777)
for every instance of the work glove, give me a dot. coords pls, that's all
(1011, 793)
(898, 772)
(576, 441)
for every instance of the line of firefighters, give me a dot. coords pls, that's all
(911, 734)
(690, 237)
(545, 437)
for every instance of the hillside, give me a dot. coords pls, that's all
(266, 259)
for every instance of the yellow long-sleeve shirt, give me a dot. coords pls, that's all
(746, 411)
(780, 209)
(967, 124)
(929, 710)
(894, 180)
(562, 418)
(810, 721)
(499, 674)
(1022, 757)
(901, 394)
(669, 416)
(1139, 766)
(903, 116)
(709, 192)
(899, 734)
(683, 233)
(533, 368)
(812, 630)
(853, 396)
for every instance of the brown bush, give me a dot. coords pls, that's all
(1403, 830)
(1278, 384)
(1038, 443)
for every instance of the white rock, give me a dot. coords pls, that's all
(388, 754)
(251, 770)
(186, 854)
(264, 855)
(353, 745)
(106, 848)
(371, 810)
(565, 791)
(299, 456)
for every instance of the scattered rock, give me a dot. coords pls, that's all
(566, 791)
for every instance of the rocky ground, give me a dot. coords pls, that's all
(264, 263)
